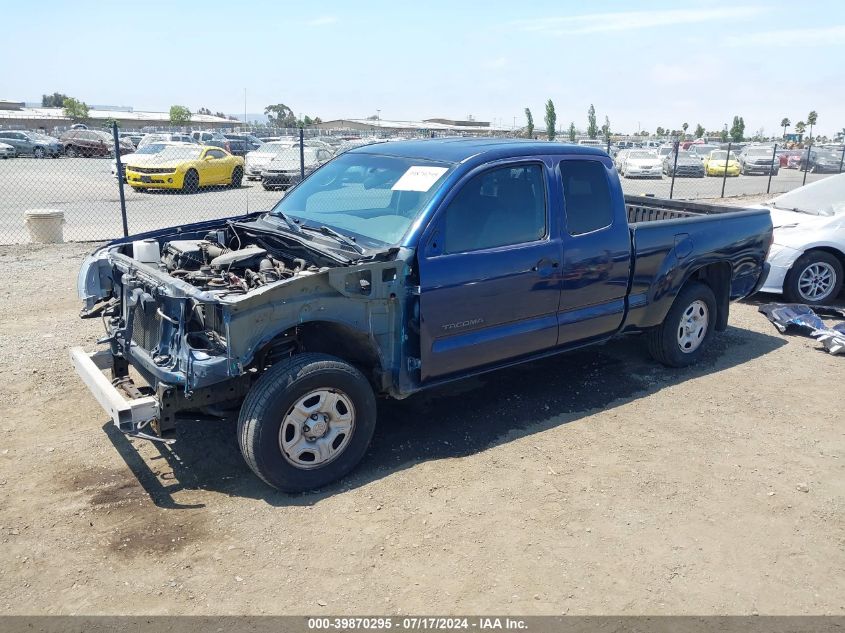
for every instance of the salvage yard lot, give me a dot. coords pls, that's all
(595, 482)
(87, 193)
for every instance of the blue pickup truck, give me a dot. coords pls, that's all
(394, 268)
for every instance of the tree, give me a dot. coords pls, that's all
(280, 115)
(685, 126)
(605, 129)
(812, 118)
(572, 132)
(699, 131)
(723, 134)
(737, 130)
(660, 131)
(592, 128)
(529, 127)
(317, 120)
(800, 127)
(204, 111)
(179, 115)
(551, 119)
(55, 100)
(785, 123)
(75, 109)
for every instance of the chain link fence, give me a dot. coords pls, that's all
(174, 176)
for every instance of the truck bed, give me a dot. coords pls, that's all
(648, 209)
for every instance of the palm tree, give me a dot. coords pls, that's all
(685, 126)
(800, 127)
(785, 123)
(811, 121)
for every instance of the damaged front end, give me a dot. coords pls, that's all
(200, 311)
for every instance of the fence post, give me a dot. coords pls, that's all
(120, 177)
(608, 146)
(725, 175)
(841, 160)
(772, 168)
(676, 146)
(807, 164)
(301, 154)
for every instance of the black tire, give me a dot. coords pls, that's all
(191, 183)
(71, 152)
(39, 152)
(266, 186)
(237, 178)
(663, 343)
(791, 289)
(272, 398)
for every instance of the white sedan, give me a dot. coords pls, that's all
(808, 254)
(640, 163)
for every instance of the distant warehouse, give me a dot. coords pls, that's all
(15, 114)
(440, 126)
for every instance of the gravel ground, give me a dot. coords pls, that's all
(592, 483)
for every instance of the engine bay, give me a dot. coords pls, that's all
(219, 261)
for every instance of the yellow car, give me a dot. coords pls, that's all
(714, 163)
(185, 167)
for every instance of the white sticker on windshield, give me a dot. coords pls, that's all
(419, 178)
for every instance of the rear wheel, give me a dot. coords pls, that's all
(237, 177)
(307, 422)
(39, 152)
(682, 337)
(815, 278)
(191, 183)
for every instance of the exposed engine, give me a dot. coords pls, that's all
(210, 265)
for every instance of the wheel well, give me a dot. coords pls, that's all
(718, 277)
(327, 337)
(839, 255)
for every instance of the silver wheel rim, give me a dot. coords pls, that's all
(317, 428)
(693, 326)
(816, 281)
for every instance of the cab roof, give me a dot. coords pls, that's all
(457, 150)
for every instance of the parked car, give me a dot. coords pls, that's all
(701, 150)
(820, 160)
(789, 158)
(149, 149)
(396, 268)
(592, 142)
(686, 165)
(758, 159)
(664, 150)
(718, 162)
(213, 138)
(165, 137)
(240, 144)
(283, 171)
(619, 159)
(7, 151)
(31, 143)
(185, 168)
(134, 136)
(257, 160)
(92, 143)
(642, 163)
(807, 257)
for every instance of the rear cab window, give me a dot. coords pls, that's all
(586, 196)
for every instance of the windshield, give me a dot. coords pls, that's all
(759, 151)
(175, 152)
(375, 197)
(641, 155)
(683, 155)
(721, 155)
(274, 147)
(152, 148)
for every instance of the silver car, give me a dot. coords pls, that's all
(31, 143)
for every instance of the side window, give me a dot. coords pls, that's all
(586, 193)
(216, 153)
(499, 207)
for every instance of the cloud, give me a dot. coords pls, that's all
(631, 20)
(324, 20)
(821, 36)
(497, 63)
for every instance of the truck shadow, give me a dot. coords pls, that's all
(453, 421)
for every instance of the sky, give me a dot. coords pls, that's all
(642, 64)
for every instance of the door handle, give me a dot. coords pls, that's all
(544, 265)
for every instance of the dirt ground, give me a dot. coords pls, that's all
(593, 483)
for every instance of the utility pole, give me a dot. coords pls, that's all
(378, 115)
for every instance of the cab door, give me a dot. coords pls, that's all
(489, 267)
(216, 166)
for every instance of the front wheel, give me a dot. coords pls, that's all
(71, 152)
(682, 337)
(307, 422)
(237, 178)
(815, 278)
(191, 183)
(39, 152)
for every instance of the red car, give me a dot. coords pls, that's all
(789, 158)
(92, 143)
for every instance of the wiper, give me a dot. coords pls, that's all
(340, 237)
(291, 224)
